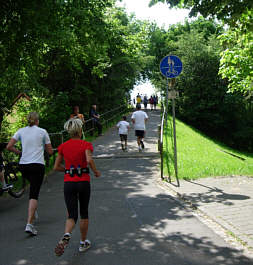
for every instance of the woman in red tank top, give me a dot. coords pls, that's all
(77, 155)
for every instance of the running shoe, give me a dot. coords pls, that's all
(62, 244)
(142, 145)
(7, 187)
(84, 245)
(140, 149)
(30, 229)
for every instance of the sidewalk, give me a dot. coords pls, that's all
(226, 200)
(133, 221)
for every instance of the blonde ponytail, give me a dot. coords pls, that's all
(32, 118)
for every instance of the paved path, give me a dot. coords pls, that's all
(227, 200)
(132, 220)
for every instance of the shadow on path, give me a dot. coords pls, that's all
(132, 222)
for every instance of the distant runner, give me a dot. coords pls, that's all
(138, 100)
(139, 119)
(155, 101)
(123, 127)
(145, 101)
(151, 102)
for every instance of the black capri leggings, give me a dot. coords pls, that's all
(34, 173)
(74, 191)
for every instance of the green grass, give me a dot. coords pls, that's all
(200, 156)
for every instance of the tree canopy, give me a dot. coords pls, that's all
(77, 52)
(228, 11)
(66, 53)
(203, 101)
(237, 56)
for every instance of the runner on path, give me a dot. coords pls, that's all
(123, 127)
(138, 100)
(145, 101)
(32, 165)
(77, 155)
(151, 102)
(139, 119)
(155, 98)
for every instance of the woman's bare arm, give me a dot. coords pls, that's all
(91, 163)
(49, 149)
(11, 147)
(57, 164)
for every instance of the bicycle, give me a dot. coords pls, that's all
(12, 176)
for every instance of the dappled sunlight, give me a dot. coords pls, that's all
(131, 218)
(22, 262)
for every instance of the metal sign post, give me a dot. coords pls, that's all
(172, 83)
(171, 66)
(167, 97)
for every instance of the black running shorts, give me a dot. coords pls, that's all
(123, 137)
(34, 173)
(140, 133)
(75, 192)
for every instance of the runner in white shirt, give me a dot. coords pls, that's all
(139, 119)
(32, 165)
(123, 127)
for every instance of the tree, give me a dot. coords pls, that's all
(228, 11)
(236, 63)
(236, 58)
(70, 52)
(203, 102)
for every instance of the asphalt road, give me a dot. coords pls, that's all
(132, 220)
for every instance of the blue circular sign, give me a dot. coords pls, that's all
(171, 66)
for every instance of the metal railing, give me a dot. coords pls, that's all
(164, 122)
(89, 126)
(105, 118)
(58, 138)
(160, 141)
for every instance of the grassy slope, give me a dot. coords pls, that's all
(200, 156)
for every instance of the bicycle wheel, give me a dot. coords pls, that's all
(13, 176)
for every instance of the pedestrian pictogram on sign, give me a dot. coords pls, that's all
(171, 66)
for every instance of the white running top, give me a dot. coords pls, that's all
(139, 116)
(33, 140)
(123, 127)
